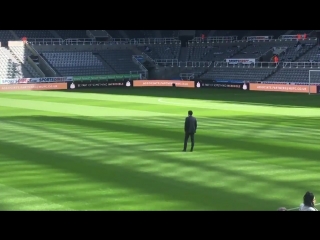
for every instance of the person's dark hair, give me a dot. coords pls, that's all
(190, 112)
(308, 199)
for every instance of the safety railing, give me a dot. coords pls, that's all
(186, 76)
(45, 41)
(148, 57)
(251, 65)
(147, 41)
(257, 38)
(144, 71)
(214, 39)
(110, 41)
(91, 41)
(77, 41)
(43, 61)
(166, 62)
(142, 41)
(175, 62)
(301, 64)
(118, 41)
(195, 64)
(295, 37)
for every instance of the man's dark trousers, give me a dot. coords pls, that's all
(186, 139)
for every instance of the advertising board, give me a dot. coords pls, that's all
(33, 87)
(99, 84)
(214, 84)
(282, 88)
(240, 60)
(163, 83)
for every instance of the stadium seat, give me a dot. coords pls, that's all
(76, 63)
(5, 36)
(34, 33)
(237, 74)
(72, 33)
(120, 60)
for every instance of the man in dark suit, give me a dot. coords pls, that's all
(190, 128)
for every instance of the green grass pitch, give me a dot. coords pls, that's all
(120, 149)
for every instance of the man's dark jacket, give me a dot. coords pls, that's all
(190, 125)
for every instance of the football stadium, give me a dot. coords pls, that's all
(94, 119)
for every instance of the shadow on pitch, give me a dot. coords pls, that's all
(201, 197)
(247, 144)
(159, 157)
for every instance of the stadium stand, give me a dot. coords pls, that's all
(169, 33)
(300, 32)
(76, 63)
(72, 33)
(162, 50)
(137, 34)
(120, 60)
(257, 49)
(5, 36)
(243, 33)
(34, 33)
(192, 72)
(11, 67)
(212, 51)
(21, 53)
(273, 33)
(293, 51)
(293, 75)
(311, 56)
(219, 33)
(238, 73)
(114, 33)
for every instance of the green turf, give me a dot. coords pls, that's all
(120, 149)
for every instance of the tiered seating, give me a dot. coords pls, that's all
(293, 52)
(162, 51)
(34, 33)
(239, 74)
(212, 51)
(114, 33)
(135, 34)
(120, 60)
(148, 33)
(197, 71)
(75, 63)
(300, 32)
(10, 67)
(274, 33)
(312, 56)
(257, 49)
(5, 36)
(22, 53)
(294, 75)
(72, 33)
(242, 33)
(168, 33)
(217, 33)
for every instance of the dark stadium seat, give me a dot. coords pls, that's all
(72, 33)
(34, 33)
